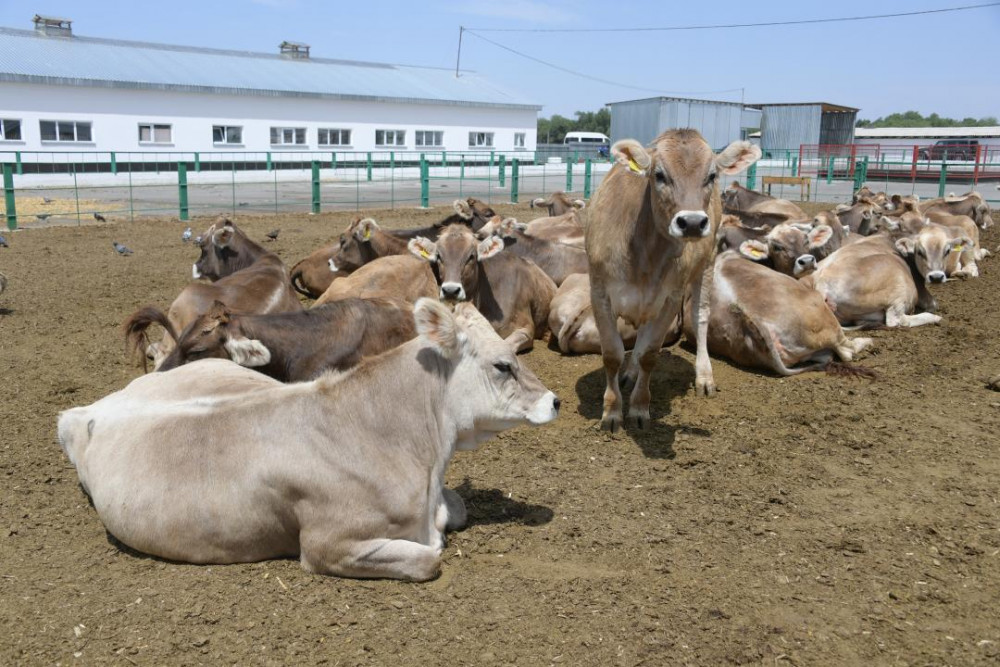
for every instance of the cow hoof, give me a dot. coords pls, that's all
(611, 423)
(640, 420)
(706, 388)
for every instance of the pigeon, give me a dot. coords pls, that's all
(46, 200)
(244, 203)
(3, 242)
(197, 240)
(273, 234)
(43, 216)
(186, 236)
(99, 217)
(122, 250)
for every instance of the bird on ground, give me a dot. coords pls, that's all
(197, 240)
(43, 216)
(273, 234)
(244, 203)
(186, 236)
(46, 200)
(120, 249)
(3, 242)
(99, 217)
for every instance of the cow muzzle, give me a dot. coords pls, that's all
(195, 273)
(935, 277)
(545, 409)
(804, 264)
(690, 224)
(452, 292)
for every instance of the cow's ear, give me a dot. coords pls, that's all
(489, 247)
(462, 209)
(737, 156)
(892, 224)
(364, 230)
(754, 250)
(219, 312)
(247, 352)
(579, 204)
(224, 236)
(436, 324)
(538, 201)
(960, 244)
(423, 248)
(630, 153)
(819, 236)
(508, 227)
(905, 246)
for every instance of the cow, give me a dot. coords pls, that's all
(291, 347)
(764, 319)
(512, 293)
(971, 204)
(858, 218)
(215, 463)
(565, 229)
(755, 209)
(246, 277)
(830, 219)
(558, 203)
(396, 276)
(792, 249)
(571, 319)
(940, 252)
(732, 233)
(362, 242)
(865, 194)
(876, 280)
(650, 236)
(557, 260)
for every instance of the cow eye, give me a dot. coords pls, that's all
(503, 367)
(710, 179)
(921, 253)
(777, 247)
(661, 177)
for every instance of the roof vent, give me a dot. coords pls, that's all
(53, 26)
(295, 50)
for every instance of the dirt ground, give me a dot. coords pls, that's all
(809, 520)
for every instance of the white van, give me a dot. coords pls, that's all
(586, 138)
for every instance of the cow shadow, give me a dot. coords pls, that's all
(673, 376)
(491, 506)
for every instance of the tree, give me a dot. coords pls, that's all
(553, 130)
(916, 119)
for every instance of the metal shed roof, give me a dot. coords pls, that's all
(924, 132)
(827, 107)
(664, 98)
(27, 56)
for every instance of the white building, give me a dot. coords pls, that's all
(923, 136)
(64, 92)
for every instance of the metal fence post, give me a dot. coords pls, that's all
(425, 184)
(461, 172)
(182, 189)
(197, 162)
(752, 177)
(114, 163)
(829, 171)
(315, 187)
(369, 166)
(586, 179)
(20, 168)
(8, 196)
(514, 178)
(503, 170)
(795, 165)
(269, 165)
(942, 181)
(569, 176)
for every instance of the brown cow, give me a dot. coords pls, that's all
(558, 203)
(512, 293)
(557, 260)
(565, 228)
(571, 319)
(396, 276)
(650, 237)
(292, 347)
(792, 249)
(247, 278)
(362, 242)
(732, 233)
(866, 194)
(756, 210)
(971, 204)
(858, 218)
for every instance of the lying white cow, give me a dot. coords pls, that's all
(215, 463)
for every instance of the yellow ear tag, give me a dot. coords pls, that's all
(634, 166)
(425, 254)
(959, 248)
(758, 253)
(368, 233)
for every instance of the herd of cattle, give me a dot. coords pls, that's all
(276, 444)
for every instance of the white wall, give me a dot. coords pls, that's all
(116, 114)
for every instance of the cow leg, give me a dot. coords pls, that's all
(372, 559)
(457, 514)
(701, 294)
(647, 348)
(613, 353)
(895, 316)
(521, 339)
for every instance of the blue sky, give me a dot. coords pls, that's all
(946, 63)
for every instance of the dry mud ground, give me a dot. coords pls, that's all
(810, 520)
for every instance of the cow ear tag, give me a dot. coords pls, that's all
(368, 233)
(634, 166)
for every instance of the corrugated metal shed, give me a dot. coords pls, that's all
(719, 122)
(31, 57)
(788, 126)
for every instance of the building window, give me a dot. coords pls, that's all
(65, 130)
(480, 139)
(334, 137)
(154, 134)
(10, 130)
(519, 139)
(288, 136)
(390, 137)
(227, 134)
(428, 138)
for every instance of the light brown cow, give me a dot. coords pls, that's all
(859, 218)
(557, 260)
(396, 276)
(558, 203)
(512, 293)
(793, 249)
(651, 237)
(764, 319)
(216, 463)
(971, 204)
(732, 233)
(756, 210)
(571, 319)
(940, 252)
(362, 242)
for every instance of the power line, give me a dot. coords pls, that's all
(594, 78)
(721, 26)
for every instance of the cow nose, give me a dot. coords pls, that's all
(805, 261)
(556, 403)
(936, 276)
(693, 222)
(451, 291)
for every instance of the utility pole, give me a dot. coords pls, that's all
(458, 59)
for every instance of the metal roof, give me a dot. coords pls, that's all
(924, 132)
(827, 107)
(664, 98)
(27, 56)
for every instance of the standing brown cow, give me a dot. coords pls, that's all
(651, 236)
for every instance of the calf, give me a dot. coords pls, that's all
(792, 249)
(512, 293)
(558, 203)
(292, 347)
(939, 252)
(571, 319)
(763, 319)
(397, 276)
(215, 463)
(557, 260)
(650, 237)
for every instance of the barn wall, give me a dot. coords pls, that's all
(790, 126)
(115, 115)
(643, 120)
(837, 127)
(638, 119)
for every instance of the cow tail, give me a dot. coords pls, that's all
(296, 279)
(136, 329)
(760, 339)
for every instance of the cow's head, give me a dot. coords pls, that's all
(507, 228)
(225, 249)
(481, 211)
(213, 335)
(682, 170)
(455, 259)
(931, 251)
(489, 390)
(354, 248)
(791, 247)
